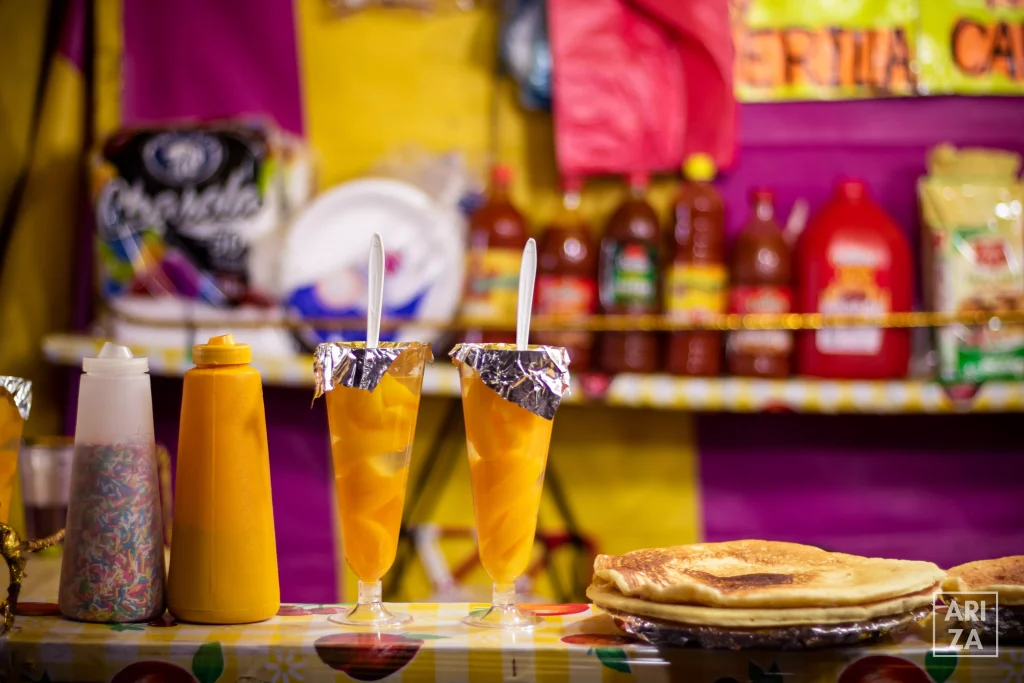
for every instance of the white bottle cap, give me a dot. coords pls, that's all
(114, 359)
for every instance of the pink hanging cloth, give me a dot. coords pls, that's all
(703, 36)
(626, 95)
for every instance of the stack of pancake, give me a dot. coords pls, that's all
(1004, 576)
(764, 594)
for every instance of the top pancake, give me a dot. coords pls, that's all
(761, 574)
(1004, 575)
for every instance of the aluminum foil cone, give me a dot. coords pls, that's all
(20, 391)
(351, 364)
(535, 379)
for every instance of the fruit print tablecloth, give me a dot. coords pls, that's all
(575, 643)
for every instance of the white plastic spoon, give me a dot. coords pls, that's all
(376, 292)
(527, 275)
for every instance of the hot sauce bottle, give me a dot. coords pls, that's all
(695, 271)
(567, 276)
(761, 283)
(497, 235)
(628, 280)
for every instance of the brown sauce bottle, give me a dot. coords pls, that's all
(761, 283)
(696, 279)
(567, 277)
(628, 280)
(497, 235)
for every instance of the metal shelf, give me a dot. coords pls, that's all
(720, 394)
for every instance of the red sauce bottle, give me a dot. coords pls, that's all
(628, 280)
(567, 276)
(497, 235)
(696, 279)
(854, 260)
(761, 283)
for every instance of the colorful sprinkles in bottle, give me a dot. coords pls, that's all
(114, 558)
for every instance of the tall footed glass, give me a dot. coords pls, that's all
(508, 450)
(371, 412)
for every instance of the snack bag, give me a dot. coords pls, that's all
(971, 203)
(181, 210)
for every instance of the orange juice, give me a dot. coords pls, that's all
(10, 441)
(371, 441)
(508, 451)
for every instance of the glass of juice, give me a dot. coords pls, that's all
(371, 412)
(15, 404)
(508, 431)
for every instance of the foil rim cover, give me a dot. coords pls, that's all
(535, 379)
(352, 365)
(20, 391)
(660, 633)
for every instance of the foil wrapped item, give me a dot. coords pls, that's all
(535, 379)
(1003, 625)
(668, 634)
(20, 391)
(351, 364)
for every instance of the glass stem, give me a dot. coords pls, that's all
(503, 595)
(370, 593)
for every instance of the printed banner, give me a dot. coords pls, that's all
(972, 47)
(798, 50)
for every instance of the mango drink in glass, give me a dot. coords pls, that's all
(15, 404)
(372, 402)
(509, 399)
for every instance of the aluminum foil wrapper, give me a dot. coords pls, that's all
(351, 364)
(1005, 623)
(668, 634)
(20, 391)
(535, 379)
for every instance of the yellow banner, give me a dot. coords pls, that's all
(798, 50)
(972, 47)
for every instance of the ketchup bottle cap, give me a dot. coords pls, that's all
(501, 175)
(572, 184)
(853, 189)
(699, 167)
(639, 179)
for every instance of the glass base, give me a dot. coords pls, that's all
(503, 612)
(370, 612)
(371, 616)
(504, 616)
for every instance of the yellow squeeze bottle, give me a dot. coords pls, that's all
(223, 551)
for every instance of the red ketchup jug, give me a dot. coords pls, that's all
(853, 260)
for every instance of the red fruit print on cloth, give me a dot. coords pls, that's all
(555, 610)
(600, 640)
(151, 671)
(37, 609)
(309, 610)
(883, 669)
(165, 620)
(367, 656)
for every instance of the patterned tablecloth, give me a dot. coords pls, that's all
(575, 643)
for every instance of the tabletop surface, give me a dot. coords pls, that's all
(574, 643)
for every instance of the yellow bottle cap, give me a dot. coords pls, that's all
(699, 167)
(221, 350)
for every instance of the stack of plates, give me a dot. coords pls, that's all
(324, 264)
